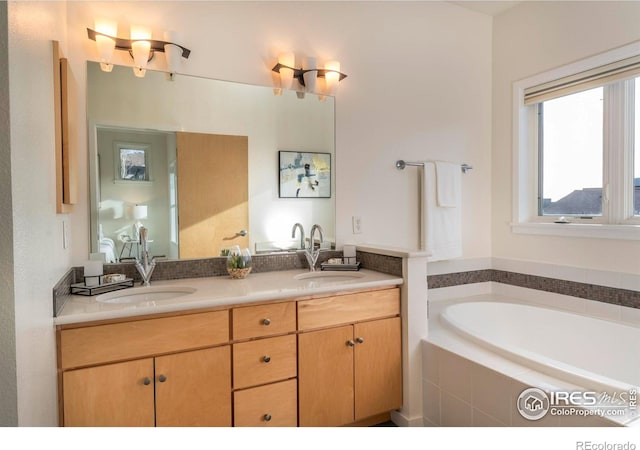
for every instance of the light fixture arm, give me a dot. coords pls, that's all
(299, 73)
(125, 44)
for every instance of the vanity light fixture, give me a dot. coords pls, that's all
(105, 44)
(141, 47)
(308, 74)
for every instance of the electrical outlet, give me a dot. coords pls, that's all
(356, 222)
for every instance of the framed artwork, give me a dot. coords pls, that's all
(304, 174)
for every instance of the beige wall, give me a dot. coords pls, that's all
(529, 39)
(419, 87)
(39, 259)
(8, 386)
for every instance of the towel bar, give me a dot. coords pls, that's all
(401, 164)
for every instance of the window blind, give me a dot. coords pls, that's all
(589, 79)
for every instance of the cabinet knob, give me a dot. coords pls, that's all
(266, 321)
(162, 378)
(360, 340)
(146, 381)
(350, 343)
(266, 358)
(267, 417)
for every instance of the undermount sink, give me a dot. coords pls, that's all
(329, 276)
(145, 294)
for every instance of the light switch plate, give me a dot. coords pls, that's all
(356, 222)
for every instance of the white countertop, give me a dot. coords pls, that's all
(218, 291)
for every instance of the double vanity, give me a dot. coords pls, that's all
(283, 348)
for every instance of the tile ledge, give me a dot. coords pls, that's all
(393, 251)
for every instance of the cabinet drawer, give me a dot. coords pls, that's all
(272, 405)
(264, 320)
(135, 339)
(343, 309)
(264, 360)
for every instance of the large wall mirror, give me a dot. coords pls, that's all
(205, 164)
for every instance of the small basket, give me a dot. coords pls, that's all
(239, 273)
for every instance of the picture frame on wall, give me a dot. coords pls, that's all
(304, 174)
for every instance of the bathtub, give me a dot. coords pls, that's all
(482, 352)
(593, 353)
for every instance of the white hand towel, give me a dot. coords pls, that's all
(448, 184)
(441, 226)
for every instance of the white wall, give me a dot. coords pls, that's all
(529, 39)
(38, 255)
(417, 88)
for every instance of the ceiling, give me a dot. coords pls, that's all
(491, 8)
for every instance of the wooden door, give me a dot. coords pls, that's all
(325, 377)
(194, 388)
(378, 367)
(213, 193)
(114, 395)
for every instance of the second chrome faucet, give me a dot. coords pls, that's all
(310, 251)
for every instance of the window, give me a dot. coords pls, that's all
(576, 160)
(132, 162)
(570, 155)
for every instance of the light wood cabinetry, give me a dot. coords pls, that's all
(144, 373)
(273, 405)
(351, 372)
(193, 389)
(113, 395)
(313, 361)
(264, 361)
(182, 389)
(264, 320)
(265, 367)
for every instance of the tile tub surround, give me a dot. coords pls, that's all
(214, 267)
(606, 294)
(460, 392)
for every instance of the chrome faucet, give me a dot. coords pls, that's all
(293, 234)
(145, 265)
(311, 253)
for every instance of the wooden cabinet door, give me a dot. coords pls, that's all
(325, 377)
(113, 395)
(378, 367)
(194, 388)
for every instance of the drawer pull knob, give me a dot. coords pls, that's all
(146, 381)
(360, 340)
(162, 378)
(267, 417)
(266, 358)
(266, 321)
(350, 343)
